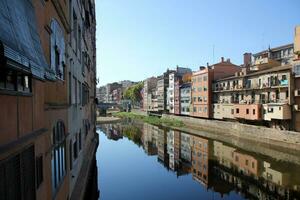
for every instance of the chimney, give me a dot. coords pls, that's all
(222, 59)
(247, 59)
(207, 64)
(228, 60)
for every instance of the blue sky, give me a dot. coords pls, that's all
(137, 39)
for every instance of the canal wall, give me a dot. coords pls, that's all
(287, 139)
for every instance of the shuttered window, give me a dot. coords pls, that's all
(58, 158)
(39, 170)
(18, 176)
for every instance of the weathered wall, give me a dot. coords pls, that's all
(288, 139)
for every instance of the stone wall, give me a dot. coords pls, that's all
(288, 139)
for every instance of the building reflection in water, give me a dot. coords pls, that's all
(213, 164)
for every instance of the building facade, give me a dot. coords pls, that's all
(162, 87)
(36, 145)
(149, 90)
(185, 98)
(296, 72)
(263, 96)
(201, 86)
(173, 77)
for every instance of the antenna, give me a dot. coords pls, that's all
(213, 53)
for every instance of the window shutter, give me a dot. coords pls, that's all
(52, 45)
(28, 173)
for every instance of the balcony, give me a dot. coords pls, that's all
(281, 111)
(264, 63)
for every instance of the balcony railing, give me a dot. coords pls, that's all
(260, 101)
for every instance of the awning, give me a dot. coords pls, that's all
(19, 37)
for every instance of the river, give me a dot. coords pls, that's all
(140, 161)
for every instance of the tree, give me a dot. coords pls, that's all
(133, 93)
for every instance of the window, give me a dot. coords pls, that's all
(70, 88)
(205, 78)
(58, 164)
(205, 109)
(79, 43)
(18, 176)
(75, 149)
(80, 144)
(237, 110)
(270, 110)
(75, 93)
(236, 158)
(71, 154)
(79, 93)
(232, 111)
(205, 99)
(75, 30)
(297, 70)
(247, 111)
(57, 49)
(12, 80)
(204, 88)
(39, 170)
(247, 162)
(199, 89)
(194, 109)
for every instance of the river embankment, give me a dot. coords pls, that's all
(224, 129)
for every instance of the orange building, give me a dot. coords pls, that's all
(200, 159)
(202, 86)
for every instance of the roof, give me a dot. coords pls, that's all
(185, 85)
(21, 45)
(275, 49)
(273, 69)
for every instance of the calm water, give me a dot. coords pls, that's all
(140, 161)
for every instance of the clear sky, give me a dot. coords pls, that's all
(137, 39)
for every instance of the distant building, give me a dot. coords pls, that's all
(101, 94)
(173, 77)
(126, 83)
(282, 55)
(200, 160)
(109, 91)
(185, 98)
(201, 86)
(149, 90)
(162, 89)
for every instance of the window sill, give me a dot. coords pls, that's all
(15, 93)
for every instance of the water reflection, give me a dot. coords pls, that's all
(213, 164)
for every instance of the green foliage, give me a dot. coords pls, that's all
(134, 134)
(134, 92)
(151, 119)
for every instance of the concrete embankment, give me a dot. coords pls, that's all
(105, 120)
(286, 139)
